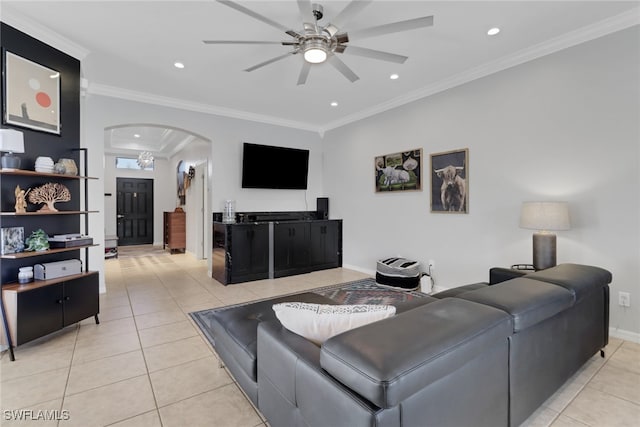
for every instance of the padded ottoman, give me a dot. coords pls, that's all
(235, 332)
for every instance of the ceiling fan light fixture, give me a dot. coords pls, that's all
(315, 55)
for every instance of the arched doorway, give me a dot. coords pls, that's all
(169, 147)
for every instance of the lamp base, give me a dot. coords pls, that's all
(544, 250)
(9, 161)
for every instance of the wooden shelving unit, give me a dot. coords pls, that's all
(46, 213)
(20, 255)
(37, 308)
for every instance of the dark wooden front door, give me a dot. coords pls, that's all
(134, 211)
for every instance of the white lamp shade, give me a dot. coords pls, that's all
(546, 216)
(11, 141)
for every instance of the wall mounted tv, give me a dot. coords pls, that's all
(265, 166)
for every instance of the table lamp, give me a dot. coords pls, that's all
(11, 141)
(544, 217)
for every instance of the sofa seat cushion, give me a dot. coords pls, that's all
(527, 301)
(580, 280)
(236, 327)
(420, 346)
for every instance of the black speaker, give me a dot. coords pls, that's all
(322, 209)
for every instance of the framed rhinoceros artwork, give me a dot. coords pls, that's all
(399, 171)
(450, 181)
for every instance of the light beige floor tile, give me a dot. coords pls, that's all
(175, 353)
(627, 357)
(150, 419)
(35, 361)
(167, 333)
(105, 371)
(595, 408)
(159, 318)
(101, 347)
(618, 382)
(564, 421)
(152, 306)
(28, 391)
(109, 404)
(112, 313)
(44, 414)
(114, 301)
(225, 406)
(106, 328)
(187, 380)
(149, 295)
(565, 394)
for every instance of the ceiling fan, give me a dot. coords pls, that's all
(319, 43)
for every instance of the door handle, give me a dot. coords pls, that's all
(119, 216)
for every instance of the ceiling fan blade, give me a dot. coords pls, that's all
(395, 27)
(349, 12)
(375, 54)
(306, 10)
(259, 17)
(270, 61)
(304, 72)
(245, 42)
(342, 67)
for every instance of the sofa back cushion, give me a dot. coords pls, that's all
(528, 301)
(578, 279)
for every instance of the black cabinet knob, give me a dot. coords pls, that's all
(67, 298)
(58, 301)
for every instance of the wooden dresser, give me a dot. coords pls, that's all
(175, 231)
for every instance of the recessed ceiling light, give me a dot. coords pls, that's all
(394, 76)
(178, 64)
(334, 104)
(136, 135)
(493, 31)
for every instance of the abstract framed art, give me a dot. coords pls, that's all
(399, 171)
(450, 181)
(31, 94)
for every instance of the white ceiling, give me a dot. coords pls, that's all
(128, 49)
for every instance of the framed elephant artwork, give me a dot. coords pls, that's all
(450, 181)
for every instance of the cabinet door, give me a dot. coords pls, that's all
(249, 252)
(290, 248)
(324, 247)
(219, 254)
(81, 299)
(39, 313)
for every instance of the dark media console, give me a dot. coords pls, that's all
(263, 245)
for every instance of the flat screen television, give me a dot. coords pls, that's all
(266, 166)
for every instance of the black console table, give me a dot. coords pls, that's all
(278, 245)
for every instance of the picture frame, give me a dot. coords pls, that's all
(31, 94)
(400, 171)
(11, 240)
(450, 182)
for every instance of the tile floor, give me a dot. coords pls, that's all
(146, 364)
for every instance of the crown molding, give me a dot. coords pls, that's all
(42, 33)
(599, 29)
(147, 98)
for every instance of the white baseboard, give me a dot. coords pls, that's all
(625, 335)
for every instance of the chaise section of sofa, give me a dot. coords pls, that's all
(417, 368)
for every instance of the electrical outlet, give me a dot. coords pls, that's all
(624, 299)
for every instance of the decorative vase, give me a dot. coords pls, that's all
(69, 166)
(25, 274)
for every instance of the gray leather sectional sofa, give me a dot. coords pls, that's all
(477, 356)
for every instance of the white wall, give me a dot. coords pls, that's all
(224, 176)
(564, 127)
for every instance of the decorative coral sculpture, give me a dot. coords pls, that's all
(49, 194)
